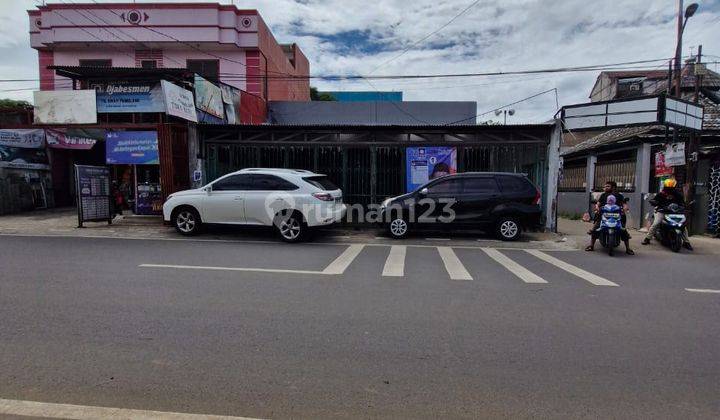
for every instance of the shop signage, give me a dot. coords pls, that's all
(74, 138)
(132, 147)
(426, 163)
(93, 194)
(208, 97)
(675, 154)
(660, 169)
(178, 101)
(129, 97)
(24, 138)
(65, 107)
(21, 158)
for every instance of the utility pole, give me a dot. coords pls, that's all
(693, 150)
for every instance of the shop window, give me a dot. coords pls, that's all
(148, 64)
(209, 69)
(96, 63)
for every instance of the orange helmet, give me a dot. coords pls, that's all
(669, 183)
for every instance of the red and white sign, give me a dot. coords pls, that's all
(660, 169)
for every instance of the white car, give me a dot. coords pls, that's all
(291, 200)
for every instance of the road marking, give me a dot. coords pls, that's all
(585, 275)
(703, 290)
(201, 267)
(523, 273)
(86, 412)
(454, 267)
(342, 262)
(437, 239)
(395, 263)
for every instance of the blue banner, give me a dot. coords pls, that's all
(132, 147)
(426, 163)
(129, 97)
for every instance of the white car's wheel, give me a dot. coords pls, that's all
(290, 227)
(187, 221)
(398, 228)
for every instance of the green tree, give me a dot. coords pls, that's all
(317, 96)
(12, 103)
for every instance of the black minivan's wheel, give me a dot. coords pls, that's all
(290, 227)
(398, 228)
(187, 221)
(508, 229)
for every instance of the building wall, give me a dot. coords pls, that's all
(65, 33)
(371, 113)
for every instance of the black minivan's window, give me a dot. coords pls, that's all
(448, 186)
(321, 182)
(271, 183)
(512, 184)
(233, 183)
(485, 185)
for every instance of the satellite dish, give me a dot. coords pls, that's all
(511, 112)
(498, 112)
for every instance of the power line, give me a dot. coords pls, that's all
(426, 36)
(504, 106)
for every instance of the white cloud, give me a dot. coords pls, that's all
(495, 35)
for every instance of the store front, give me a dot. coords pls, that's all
(134, 162)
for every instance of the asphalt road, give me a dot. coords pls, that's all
(272, 330)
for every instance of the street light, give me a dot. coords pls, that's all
(689, 12)
(505, 112)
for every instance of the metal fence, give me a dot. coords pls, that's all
(620, 171)
(369, 173)
(573, 179)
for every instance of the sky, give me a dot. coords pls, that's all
(369, 38)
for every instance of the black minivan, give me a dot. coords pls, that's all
(505, 203)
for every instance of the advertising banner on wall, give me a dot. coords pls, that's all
(423, 164)
(675, 154)
(74, 138)
(178, 101)
(231, 100)
(132, 147)
(65, 107)
(24, 138)
(208, 97)
(660, 169)
(22, 158)
(129, 97)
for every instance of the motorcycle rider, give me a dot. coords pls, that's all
(668, 195)
(610, 189)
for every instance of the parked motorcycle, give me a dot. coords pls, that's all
(670, 233)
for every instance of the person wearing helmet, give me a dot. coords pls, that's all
(610, 189)
(668, 195)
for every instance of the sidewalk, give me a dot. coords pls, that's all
(576, 233)
(63, 222)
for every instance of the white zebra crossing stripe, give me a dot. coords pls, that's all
(585, 275)
(342, 262)
(523, 273)
(395, 263)
(454, 267)
(85, 412)
(703, 290)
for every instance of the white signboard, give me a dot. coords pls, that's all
(609, 114)
(683, 114)
(178, 101)
(23, 138)
(65, 107)
(209, 97)
(675, 154)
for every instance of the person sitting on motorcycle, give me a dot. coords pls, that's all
(668, 195)
(611, 206)
(610, 189)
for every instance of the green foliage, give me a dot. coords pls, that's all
(317, 96)
(12, 103)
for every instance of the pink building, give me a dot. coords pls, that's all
(218, 41)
